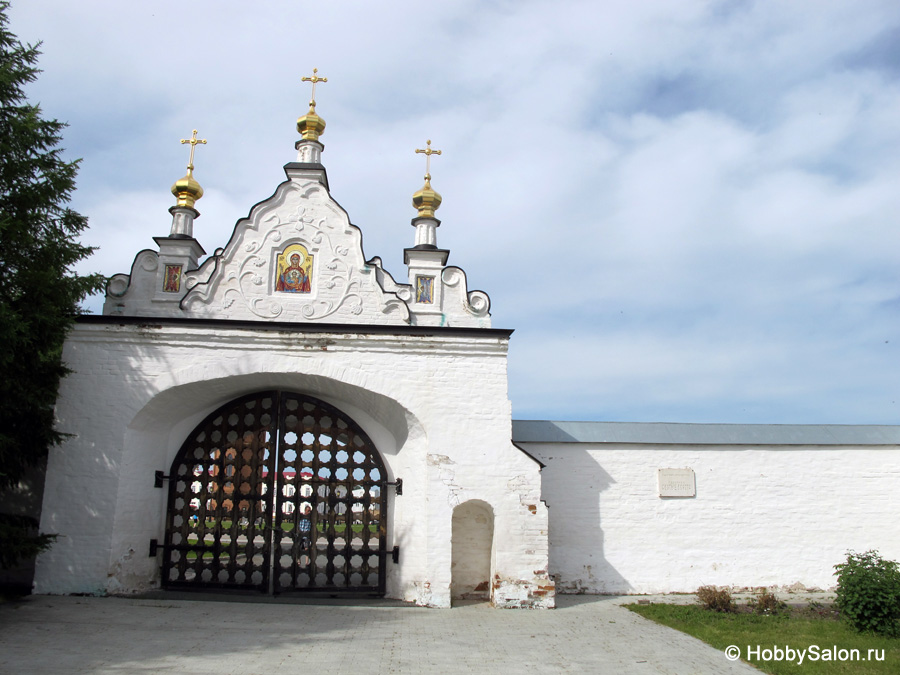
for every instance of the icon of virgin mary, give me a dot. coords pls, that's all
(293, 279)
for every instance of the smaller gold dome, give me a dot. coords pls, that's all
(426, 200)
(311, 126)
(187, 191)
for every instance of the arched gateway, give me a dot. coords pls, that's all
(277, 491)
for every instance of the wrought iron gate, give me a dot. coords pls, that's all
(277, 491)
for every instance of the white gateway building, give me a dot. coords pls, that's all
(285, 416)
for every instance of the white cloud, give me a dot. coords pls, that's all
(687, 210)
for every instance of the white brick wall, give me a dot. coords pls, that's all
(762, 516)
(435, 405)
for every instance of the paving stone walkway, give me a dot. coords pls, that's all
(586, 634)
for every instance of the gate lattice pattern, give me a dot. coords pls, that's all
(277, 491)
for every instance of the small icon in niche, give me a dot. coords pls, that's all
(172, 282)
(425, 290)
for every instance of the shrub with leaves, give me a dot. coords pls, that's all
(766, 603)
(868, 592)
(19, 539)
(716, 600)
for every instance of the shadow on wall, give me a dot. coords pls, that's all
(84, 472)
(572, 482)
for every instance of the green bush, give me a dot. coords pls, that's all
(20, 540)
(868, 592)
(716, 600)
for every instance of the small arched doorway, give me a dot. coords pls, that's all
(277, 491)
(471, 551)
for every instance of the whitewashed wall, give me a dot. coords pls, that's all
(775, 515)
(434, 404)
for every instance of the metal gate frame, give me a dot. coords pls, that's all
(277, 491)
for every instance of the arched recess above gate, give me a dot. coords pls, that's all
(277, 491)
(185, 392)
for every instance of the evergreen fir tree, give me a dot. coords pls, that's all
(39, 291)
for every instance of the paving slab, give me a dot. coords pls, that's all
(206, 636)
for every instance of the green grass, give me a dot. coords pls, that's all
(796, 629)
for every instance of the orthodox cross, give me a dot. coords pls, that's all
(428, 152)
(193, 140)
(315, 78)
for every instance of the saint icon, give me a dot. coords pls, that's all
(172, 281)
(294, 267)
(425, 290)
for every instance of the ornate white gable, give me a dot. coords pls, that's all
(251, 277)
(296, 258)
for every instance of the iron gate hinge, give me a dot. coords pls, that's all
(398, 486)
(154, 547)
(395, 554)
(158, 478)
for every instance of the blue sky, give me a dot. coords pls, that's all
(689, 211)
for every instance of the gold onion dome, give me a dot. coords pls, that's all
(426, 200)
(311, 126)
(187, 190)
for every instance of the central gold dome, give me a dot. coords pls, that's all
(427, 200)
(187, 191)
(311, 126)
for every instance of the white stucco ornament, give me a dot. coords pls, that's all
(250, 278)
(295, 258)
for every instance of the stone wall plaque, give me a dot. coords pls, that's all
(676, 483)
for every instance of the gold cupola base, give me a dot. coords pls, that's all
(311, 126)
(187, 191)
(427, 200)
